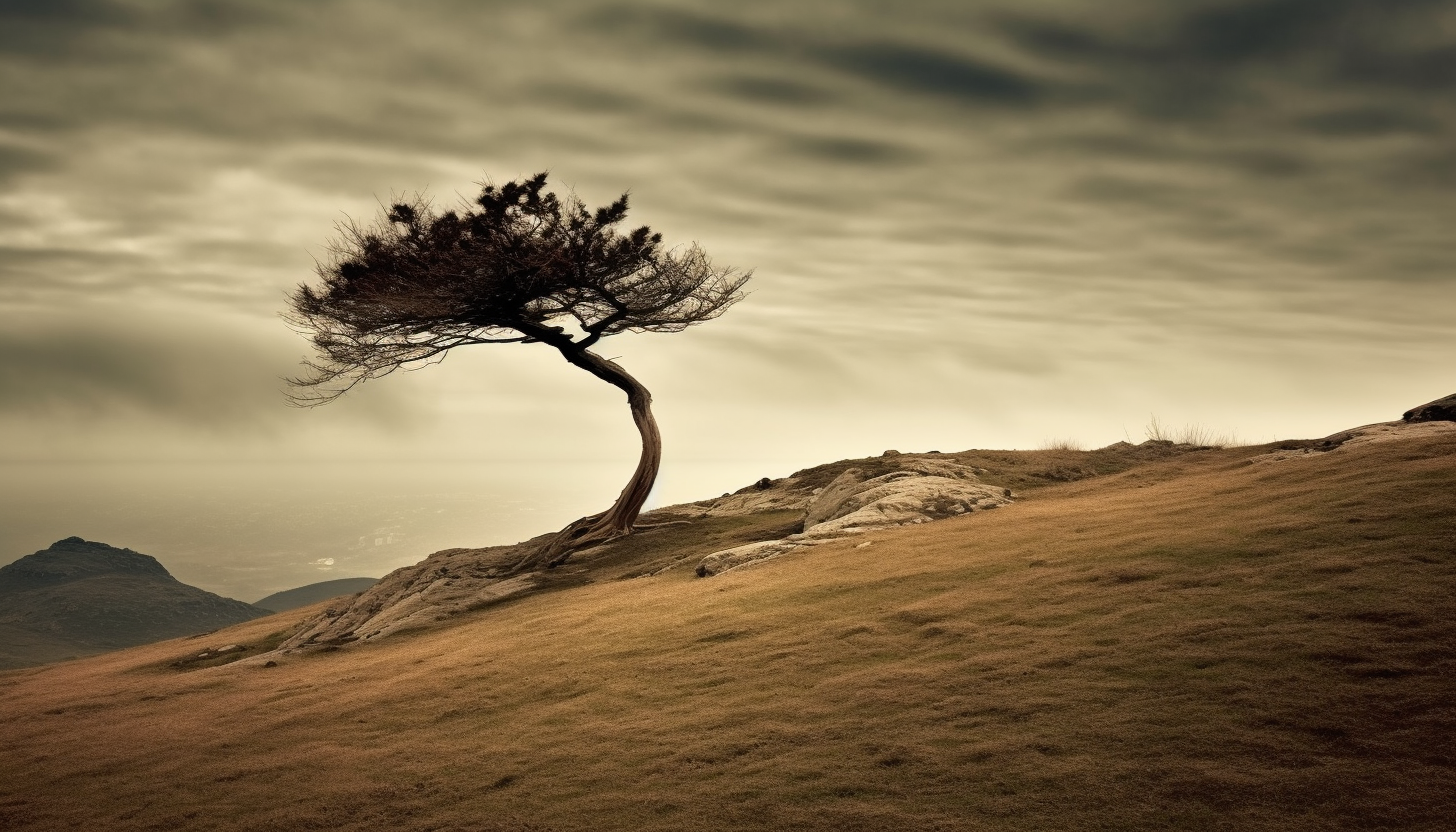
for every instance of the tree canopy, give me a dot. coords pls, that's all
(518, 266)
(407, 289)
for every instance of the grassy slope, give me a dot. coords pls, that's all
(1196, 643)
(100, 613)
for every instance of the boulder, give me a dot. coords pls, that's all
(905, 498)
(943, 468)
(827, 502)
(1440, 410)
(446, 583)
(923, 490)
(719, 562)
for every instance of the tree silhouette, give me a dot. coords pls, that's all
(512, 268)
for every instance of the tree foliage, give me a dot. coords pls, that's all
(418, 283)
(516, 267)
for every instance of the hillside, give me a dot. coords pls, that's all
(80, 598)
(303, 596)
(1147, 638)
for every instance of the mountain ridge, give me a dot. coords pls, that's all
(73, 558)
(78, 598)
(302, 596)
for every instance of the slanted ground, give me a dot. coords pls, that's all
(744, 527)
(1187, 641)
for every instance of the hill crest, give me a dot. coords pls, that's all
(79, 598)
(763, 521)
(1201, 641)
(303, 596)
(74, 559)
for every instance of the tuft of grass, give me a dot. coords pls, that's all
(1067, 444)
(1155, 432)
(1194, 433)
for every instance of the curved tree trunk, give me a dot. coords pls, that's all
(618, 520)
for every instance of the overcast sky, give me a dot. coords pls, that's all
(972, 224)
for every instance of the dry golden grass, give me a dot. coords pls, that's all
(1196, 643)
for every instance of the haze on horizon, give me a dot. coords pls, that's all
(987, 224)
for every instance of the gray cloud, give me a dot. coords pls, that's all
(684, 26)
(1243, 32)
(1199, 59)
(1371, 122)
(61, 29)
(904, 67)
(917, 69)
(905, 179)
(179, 371)
(842, 149)
(171, 380)
(53, 29)
(773, 90)
(16, 160)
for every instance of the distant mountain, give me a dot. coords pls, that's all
(313, 593)
(79, 598)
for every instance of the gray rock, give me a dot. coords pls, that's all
(831, 497)
(720, 562)
(446, 583)
(923, 490)
(943, 468)
(904, 498)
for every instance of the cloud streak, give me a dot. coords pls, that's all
(924, 189)
(97, 364)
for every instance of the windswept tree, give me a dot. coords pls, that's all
(519, 266)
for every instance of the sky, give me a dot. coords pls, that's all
(985, 224)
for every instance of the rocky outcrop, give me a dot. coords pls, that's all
(454, 581)
(1356, 437)
(1438, 416)
(720, 562)
(1440, 410)
(832, 497)
(776, 495)
(445, 584)
(922, 490)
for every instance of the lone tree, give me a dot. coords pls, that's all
(509, 269)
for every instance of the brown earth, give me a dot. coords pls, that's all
(1190, 642)
(746, 526)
